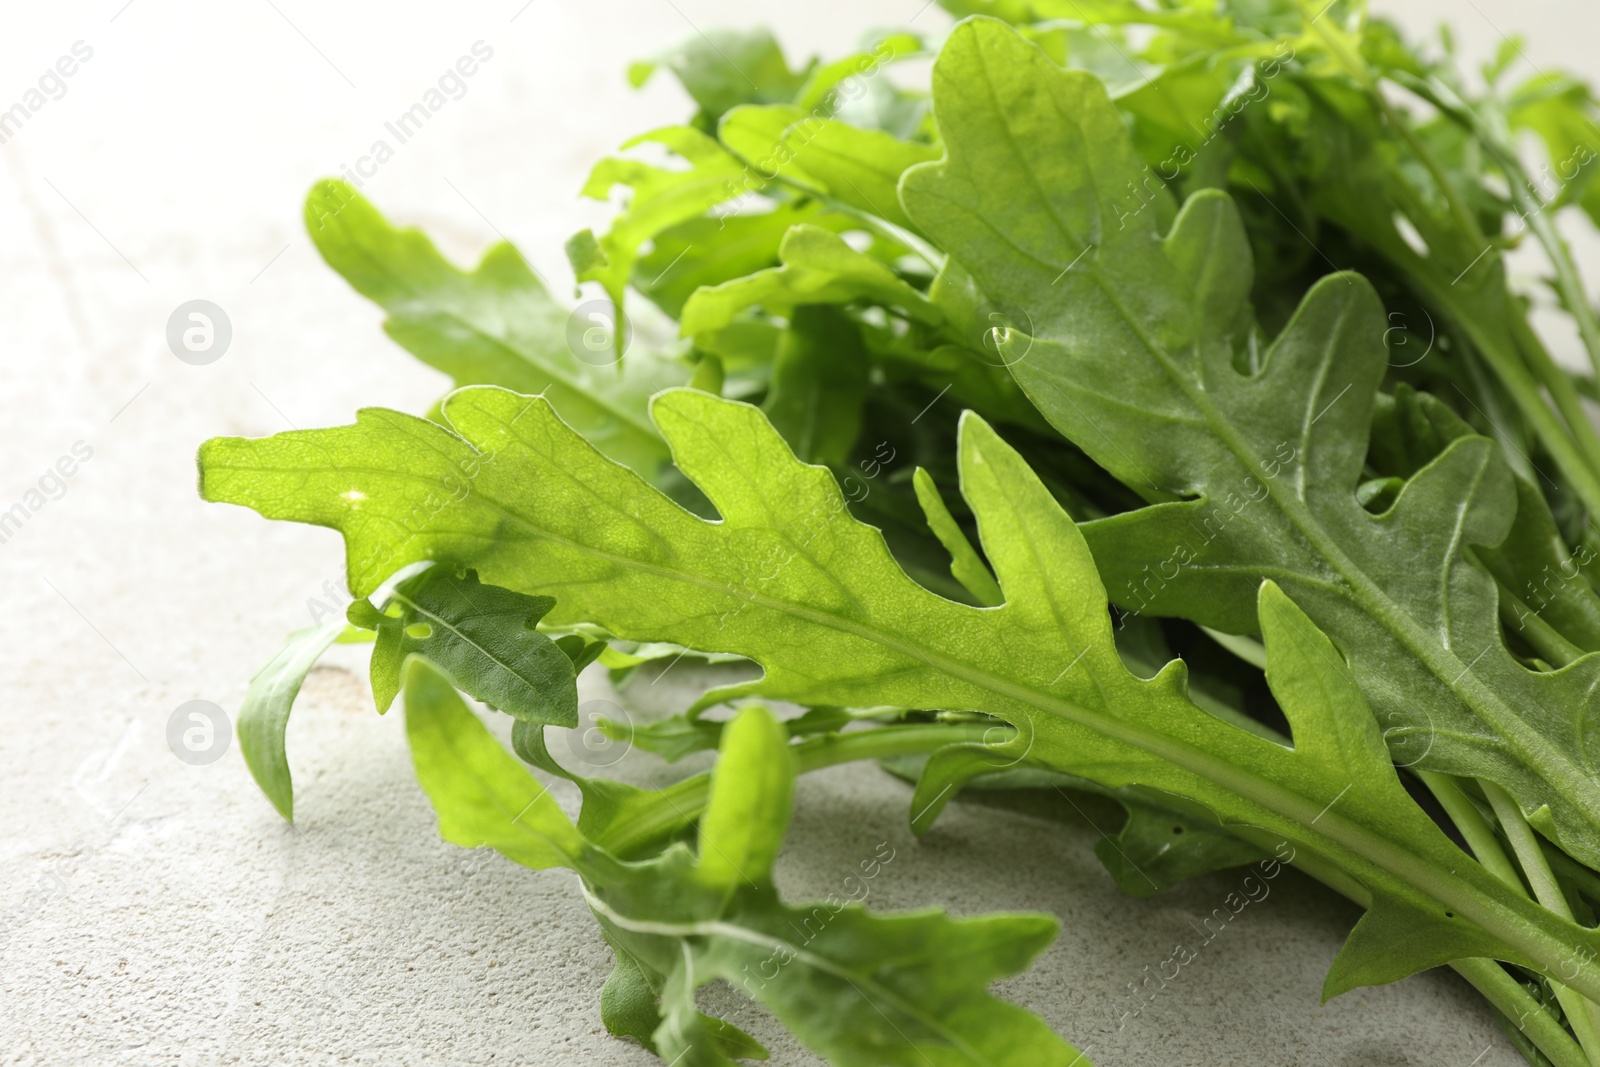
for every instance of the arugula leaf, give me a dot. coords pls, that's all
(494, 325)
(1540, 578)
(709, 251)
(819, 385)
(1561, 110)
(819, 267)
(483, 639)
(725, 68)
(1133, 357)
(661, 199)
(1158, 845)
(888, 984)
(789, 579)
(264, 715)
(965, 564)
(859, 168)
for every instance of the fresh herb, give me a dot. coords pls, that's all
(1221, 289)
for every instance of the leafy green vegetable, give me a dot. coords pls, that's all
(723, 69)
(1269, 460)
(661, 199)
(483, 639)
(820, 604)
(264, 715)
(858, 988)
(495, 325)
(1232, 277)
(818, 268)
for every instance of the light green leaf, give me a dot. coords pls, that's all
(630, 1007)
(752, 793)
(1561, 110)
(482, 795)
(819, 267)
(264, 715)
(1135, 343)
(788, 578)
(710, 250)
(754, 134)
(862, 990)
(494, 325)
(722, 69)
(821, 91)
(661, 199)
(860, 168)
(965, 564)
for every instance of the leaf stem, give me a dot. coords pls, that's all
(1558, 384)
(1473, 826)
(1524, 1011)
(1357, 68)
(1492, 132)
(1580, 1011)
(685, 800)
(1518, 617)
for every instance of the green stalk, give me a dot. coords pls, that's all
(1581, 1012)
(1519, 617)
(1494, 135)
(1524, 1010)
(684, 801)
(1559, 385)
(1473, 826)
(1514, 375)
(1580, 465)
(1357, 68)
(1487, 976)
(1578, 455)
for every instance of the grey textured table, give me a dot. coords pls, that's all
(158, 912)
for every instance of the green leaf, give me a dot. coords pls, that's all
(822, 91)
(860, 989)
(630, 1007)
(819, 385)
(483, 639)
(1561, 110)
(1533, 563)
(494, 325)
(1158, 848)
(482, 795)
(1133, 356)
(789, 579)
(709, 250)
(1162, 841)
(1399, 934)
(722, 69)
(755, 134)
(819, 267)
(752, 793)
(860, 168)
(264, 715)
(965, 564)
(661, 199)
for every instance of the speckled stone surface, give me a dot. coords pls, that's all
(157, 912)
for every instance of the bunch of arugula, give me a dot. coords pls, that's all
(1219, 292)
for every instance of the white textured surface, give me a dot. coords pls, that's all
(156, 912)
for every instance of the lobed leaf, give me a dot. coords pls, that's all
(787, 578)
(494, 325)
(1135, 354)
